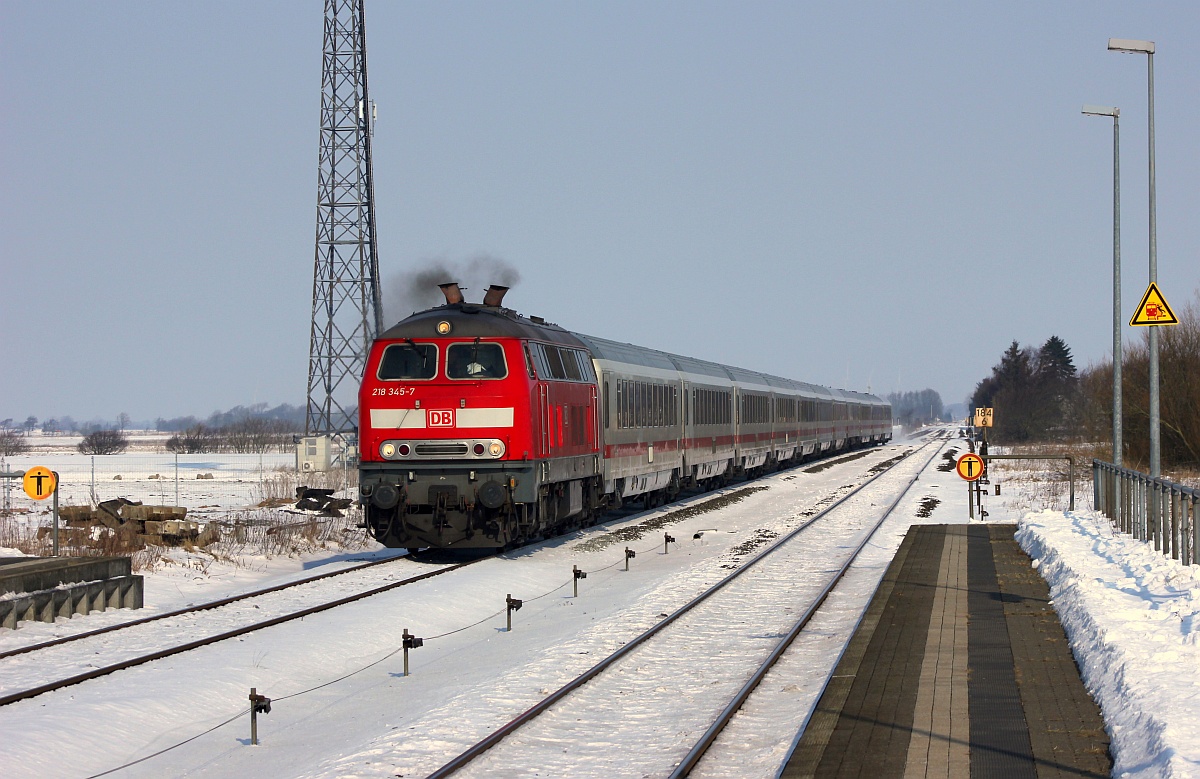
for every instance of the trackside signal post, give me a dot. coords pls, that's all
(983, 420)
(41, 483)
(970, 467)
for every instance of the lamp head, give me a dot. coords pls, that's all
(1130, 46)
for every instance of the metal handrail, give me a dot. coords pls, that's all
(1150, 509)
(1070, 466)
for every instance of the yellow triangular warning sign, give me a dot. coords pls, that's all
(1153, 310)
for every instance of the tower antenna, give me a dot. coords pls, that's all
(346, 310)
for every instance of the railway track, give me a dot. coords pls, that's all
(194, 609)
(657, 690)
(45, 658)
(136, 646)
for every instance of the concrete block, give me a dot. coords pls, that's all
(48, 588)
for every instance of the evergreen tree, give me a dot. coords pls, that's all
(1055, 387)
(1054, 360)
(1028, 391)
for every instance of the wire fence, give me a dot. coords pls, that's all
(199, 482)
(389, 653)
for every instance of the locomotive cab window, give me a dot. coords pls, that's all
(408, 361)
(476, 361)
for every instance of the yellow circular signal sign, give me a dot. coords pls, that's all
(969, 466)
(40, 482)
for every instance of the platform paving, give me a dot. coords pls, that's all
(959, 668)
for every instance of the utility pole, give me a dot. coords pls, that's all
(346, 310)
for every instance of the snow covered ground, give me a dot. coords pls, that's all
(204, 483)
(1130, 613)
(1133, 620)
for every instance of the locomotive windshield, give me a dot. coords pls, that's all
(475, 361)
(406, 361)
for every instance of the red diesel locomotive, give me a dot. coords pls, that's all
(479, 427)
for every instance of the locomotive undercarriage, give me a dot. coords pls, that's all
(506, 504)
(484, 506)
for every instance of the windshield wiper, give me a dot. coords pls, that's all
(422, 352)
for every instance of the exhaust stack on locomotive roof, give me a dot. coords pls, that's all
(452, 292)
(494, 295)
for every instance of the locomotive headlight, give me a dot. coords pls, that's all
(496, 449)
(443, 328)
(387, 450)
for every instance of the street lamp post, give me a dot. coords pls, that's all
(1147, 48)
(1115, 113)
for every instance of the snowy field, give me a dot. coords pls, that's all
(205, 484)
(1133, 618)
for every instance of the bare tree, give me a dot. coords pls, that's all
(194, 440)
(104, 442)
(913, 409)
(1179, 377)
(12, 444)
(256, 434)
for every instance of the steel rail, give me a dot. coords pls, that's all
(533, 712)
(235, 598)
(98, 672)
(192, 609)
(104, 671)
(693, 756)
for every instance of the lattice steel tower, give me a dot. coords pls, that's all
(346, 312)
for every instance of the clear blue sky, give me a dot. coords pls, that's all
(875, 195)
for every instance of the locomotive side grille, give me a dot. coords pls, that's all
(455, 449)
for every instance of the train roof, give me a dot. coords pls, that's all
(475, 320)
(615, 351)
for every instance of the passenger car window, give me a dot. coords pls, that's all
(408, 361)
(475, 361)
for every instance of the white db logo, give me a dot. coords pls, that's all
(441, 418)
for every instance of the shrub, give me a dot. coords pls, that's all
(194, 440)
(12, 443)
(104, 442)
(1179, 394)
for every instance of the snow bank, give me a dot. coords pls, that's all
(1133, 619)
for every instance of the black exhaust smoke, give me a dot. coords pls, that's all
(416, 290)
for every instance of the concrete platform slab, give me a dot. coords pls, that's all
(959, 668)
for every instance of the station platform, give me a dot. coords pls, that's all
(959, 668)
